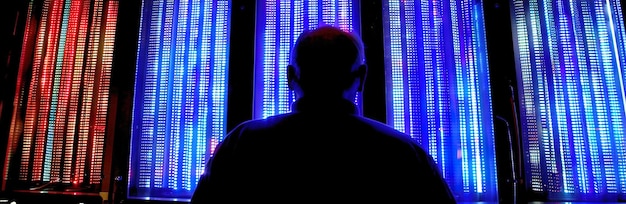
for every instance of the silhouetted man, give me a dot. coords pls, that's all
(323, 150)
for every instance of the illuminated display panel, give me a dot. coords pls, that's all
(570, 60)
(439, 91)
(58, 127)
(278, 25)
(180, 96)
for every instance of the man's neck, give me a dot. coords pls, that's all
(324, 105)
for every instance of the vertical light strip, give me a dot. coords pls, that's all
(109, 18)
(93, 74)
(585, 31)
(279, 23)
(77, 76)
(89, 84)
(55, 120)
(284, 46)
(569, 57)
(58, 125)
(615, 20)
(71, 17)
(436, 58)
(397, 75)
(17, 120)
(31, 118)
(48, 99)
(176, 88)
(180, 96)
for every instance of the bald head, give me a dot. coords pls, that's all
(327, 61)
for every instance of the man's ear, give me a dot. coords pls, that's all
(361, 74)
(291, 77)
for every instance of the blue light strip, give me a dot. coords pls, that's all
(180, 96)
(279, 23)
(570, 57)
(439, 89)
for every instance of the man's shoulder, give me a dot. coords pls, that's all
(399, 137)
(387, 130)
(259, 124)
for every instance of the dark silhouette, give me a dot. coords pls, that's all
(324, 150)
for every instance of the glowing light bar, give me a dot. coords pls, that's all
(439, 93)
(180, 96)
(60, 136)
(570, 59)
(279, 23)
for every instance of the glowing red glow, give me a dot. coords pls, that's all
(61, 134)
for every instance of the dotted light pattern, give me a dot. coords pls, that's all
(570, 57)
(180, 96)
(69, 51)
(279, 23)
(439, 91)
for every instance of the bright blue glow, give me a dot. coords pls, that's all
(569, 57)
(436, 62)
(180, 96)
(279, 23)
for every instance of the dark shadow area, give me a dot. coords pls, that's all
(122, 94)
(504, 99)
(241, 63)
(374, 95)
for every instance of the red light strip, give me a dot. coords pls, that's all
(17, 123)
(44, 91)
(102, 100)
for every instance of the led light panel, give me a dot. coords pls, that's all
(279, 23)
(180, 96)
(58, 127)
(570, 59)
(439, 93)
